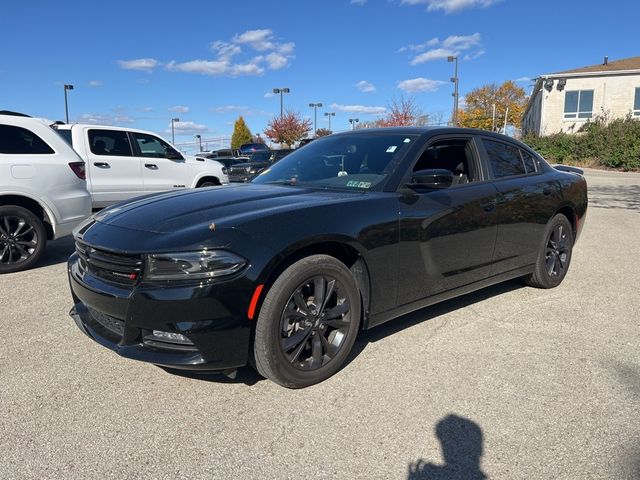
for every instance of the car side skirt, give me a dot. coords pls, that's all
(380, 318)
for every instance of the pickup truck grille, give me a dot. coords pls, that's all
(112, 267)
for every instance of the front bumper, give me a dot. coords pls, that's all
(212, 316)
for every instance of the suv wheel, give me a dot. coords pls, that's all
(22, 238)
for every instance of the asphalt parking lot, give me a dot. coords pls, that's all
(510, 382)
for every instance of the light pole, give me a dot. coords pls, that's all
(281, 91)
(66, 107)
(353, 122)
(455, 80)
(173, 133)
(199, 138)
(315, 107)
(329, 114)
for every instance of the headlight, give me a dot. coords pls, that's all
(192, 265)
(224, 170)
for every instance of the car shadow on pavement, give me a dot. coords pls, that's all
(246, 375)
(461, 444)
(398, 324)
(57, 251)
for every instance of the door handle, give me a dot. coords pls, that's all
(151, 166)
(102, 164)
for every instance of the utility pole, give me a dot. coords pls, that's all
(506, 113)
(173, 133)
(455, 81)
(315, 107)
(329, 115)
(66, 106)
(281, 91)
(493, 118)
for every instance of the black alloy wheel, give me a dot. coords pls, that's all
(308, 322)
(555, 256)
(315, 323)
(22, 238)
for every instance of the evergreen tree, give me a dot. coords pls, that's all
(241, 133)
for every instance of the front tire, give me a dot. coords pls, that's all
(555, 255)
(22, 238)
(308, 322)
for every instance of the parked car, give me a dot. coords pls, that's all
(247, 148)
(123, 163)
(254, 164)
(223, 152)
(351, 231)
(43, 193)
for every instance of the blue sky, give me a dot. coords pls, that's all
(140, 63)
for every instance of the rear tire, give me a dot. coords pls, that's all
(555, 254)
(209, 183)
(308, 322)
(23, 238)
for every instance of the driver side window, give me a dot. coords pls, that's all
(453, 155)
(151, 146)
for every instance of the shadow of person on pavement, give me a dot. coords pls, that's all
(461, 441)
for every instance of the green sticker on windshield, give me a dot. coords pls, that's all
(353, 183)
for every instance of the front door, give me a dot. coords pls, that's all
(160, 173)
(447, 236)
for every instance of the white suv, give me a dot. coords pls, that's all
(43, 193)
(124, 163)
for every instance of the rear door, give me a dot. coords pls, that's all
(160, 173)
(113, 172)
(527, 199)
(447, 236)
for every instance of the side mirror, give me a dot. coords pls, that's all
(172, 154)
(432, 178)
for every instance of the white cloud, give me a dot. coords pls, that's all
(435, 54)
(187, 128)
(204, 67)
(144, 64)
(450, 6)
(244, 110)
(225, 50)
(276, 56)
(420, 84)
(179, 109)
(358, 2)
(523, 80)
(358, 109)
(365, 86)
(95, 83)
(453, 45)
(105, 119)
(269, 95)
(275, 61)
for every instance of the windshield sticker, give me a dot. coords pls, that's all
(356, 184)
(391, 149)
(406, 140)
(342, 173)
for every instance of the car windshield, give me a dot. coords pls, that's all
(351, 161)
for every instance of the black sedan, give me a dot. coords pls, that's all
(351, 231)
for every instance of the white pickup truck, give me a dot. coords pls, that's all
(123, 163)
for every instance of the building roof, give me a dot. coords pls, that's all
(632, 63)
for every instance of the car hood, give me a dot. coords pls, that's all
(227, 207)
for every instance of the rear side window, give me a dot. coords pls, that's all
(505, 159)
(20, 141)
(110, 142)
(529, 161)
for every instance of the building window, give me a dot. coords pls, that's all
(636, 103)
(578, 104)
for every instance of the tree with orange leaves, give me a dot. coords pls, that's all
(288, 129)
(478, 109)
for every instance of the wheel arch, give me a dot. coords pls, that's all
(569, 212)
(344, 250)
(206, 177)
(34, 206)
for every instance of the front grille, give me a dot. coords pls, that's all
(238, 170)
(112, 267)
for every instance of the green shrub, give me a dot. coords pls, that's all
(603, 142)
